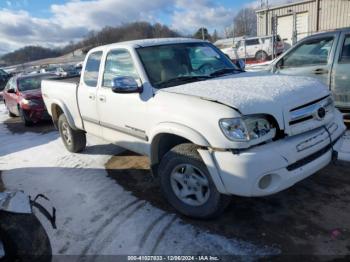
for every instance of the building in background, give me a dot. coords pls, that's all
(297, 20)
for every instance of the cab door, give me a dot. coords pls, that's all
(87, 93)
(252, 47)
(122, 115)
(311, 57)
(340, 84)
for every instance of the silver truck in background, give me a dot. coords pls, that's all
(325, 56)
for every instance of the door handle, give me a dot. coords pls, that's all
(92, 96)
(102, 99)
(320, 71)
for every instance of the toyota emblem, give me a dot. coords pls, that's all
(321, 113)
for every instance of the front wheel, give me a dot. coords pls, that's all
(187, 184)
(73, 140)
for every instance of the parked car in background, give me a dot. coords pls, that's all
(4, 77)
(210, 129)
(257, 48)
(22, 97)
(67, 71)
(62, 71)
(325, 56)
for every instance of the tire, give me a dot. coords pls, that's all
(9, 112)
(212, 202)
(73, 140)
(24, 238)
(261, 56)
(24, 117)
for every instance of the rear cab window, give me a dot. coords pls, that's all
(92, 69)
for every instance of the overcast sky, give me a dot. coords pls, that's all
(56, 22)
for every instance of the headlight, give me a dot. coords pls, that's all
(28, 102)
(248, 128)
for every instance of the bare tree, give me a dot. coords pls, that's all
(245, 22)
(215, 36)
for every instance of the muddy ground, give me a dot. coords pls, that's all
(313, 217)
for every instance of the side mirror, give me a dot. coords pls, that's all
(11, 91)
(240, 64)
(125, 84)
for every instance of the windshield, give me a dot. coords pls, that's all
(31, 83)
(170, 65)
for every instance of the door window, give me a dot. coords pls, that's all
(92, 68)
(309, 53)
(345, 55)
(252, 42)
(118, 63)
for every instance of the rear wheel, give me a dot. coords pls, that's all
(73, 140)
(25, 117)
(261, 56)
(187, 184)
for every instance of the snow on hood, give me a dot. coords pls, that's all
(257, 93)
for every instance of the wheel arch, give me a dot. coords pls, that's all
(261, 51)
(58, 108)
(168, 135)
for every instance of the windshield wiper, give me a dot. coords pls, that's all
(180, 80)
(225, 71)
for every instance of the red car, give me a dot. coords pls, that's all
(22, 97)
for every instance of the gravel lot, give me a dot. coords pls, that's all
(108, 203)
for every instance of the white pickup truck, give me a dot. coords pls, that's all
(209, 129)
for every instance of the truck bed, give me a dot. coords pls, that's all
(62, 92)
(71, 80)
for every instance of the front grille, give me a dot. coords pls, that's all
(309, 111)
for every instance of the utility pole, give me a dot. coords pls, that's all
(203, 33)
(267, 17)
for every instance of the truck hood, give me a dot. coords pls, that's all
(257, 93)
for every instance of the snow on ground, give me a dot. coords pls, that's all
(344, 152)
(94, 214)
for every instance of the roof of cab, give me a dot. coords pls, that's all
(149, 42)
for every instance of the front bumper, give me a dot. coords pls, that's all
(273, 167)
(37, 114)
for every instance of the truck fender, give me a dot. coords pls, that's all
(197, 139)
(65, 110)
(180, 130)
(210, 162)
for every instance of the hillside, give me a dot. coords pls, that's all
(132, 31)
